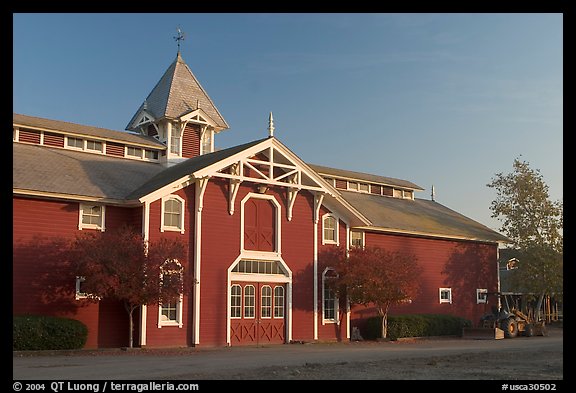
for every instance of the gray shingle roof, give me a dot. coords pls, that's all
(187, 167)
(419, 215)
(177, 93)
(54, 170)
(100, 133)
(324, 170)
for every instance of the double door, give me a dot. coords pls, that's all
(257, 313)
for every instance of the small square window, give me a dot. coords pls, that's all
(91, 217)
(80, 293)
(134, 152)
(75, 143)
(445, 295)
(94, 145)
(481, 296)
(151, 154)
(356, 239)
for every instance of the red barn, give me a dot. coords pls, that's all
(254, 217)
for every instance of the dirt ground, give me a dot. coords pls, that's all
(522, 358)
(529, 365)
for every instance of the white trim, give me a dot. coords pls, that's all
(42, 138)
(277, 230)
(318, 198)
(178, 322)
(143, 317)
(336, 229)
(146, 221)
(200, 188)
(336, 319)
(484, 298)
(81, 225)
(16, 134)
(182, 213)
(449, 291)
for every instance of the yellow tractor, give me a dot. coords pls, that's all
(507, 322)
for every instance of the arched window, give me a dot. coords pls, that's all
(330, 229)
(329, 299)
(170, 312)
(172, 214)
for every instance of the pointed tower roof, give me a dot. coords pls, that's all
(177, 93)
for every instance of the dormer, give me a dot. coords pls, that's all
(179, 113)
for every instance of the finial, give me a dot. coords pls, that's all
(179, 37)
(145, 105)
(433, 194)
(270, 126)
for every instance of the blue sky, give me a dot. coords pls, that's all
(437, 99)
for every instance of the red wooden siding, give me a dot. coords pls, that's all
(173, 336)
(388, 191)
(221, 233)
(29, 136)
(191, 141)
(56, 140)
(329, 331)
(461, 266)
(341, 184)
(375, 189)
(114, 149)
(259, 225)
(44, 285)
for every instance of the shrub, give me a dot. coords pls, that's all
(33, 332)
(416, 325)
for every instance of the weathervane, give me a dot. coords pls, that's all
(179, 37)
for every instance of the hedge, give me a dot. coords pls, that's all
(416, 325)
(35, 332)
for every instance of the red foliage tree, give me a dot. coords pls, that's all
(373, 276)
(120, 265)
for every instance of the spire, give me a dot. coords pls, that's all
(433, 193)
(270, 126)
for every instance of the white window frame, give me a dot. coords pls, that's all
(336, 301)
(178, 322)
(481, 296)
(79, 293)
(336, 229)
(447, 290)
(276, 306)
(364, 191)
(362, 233)
(102, 146)
(253, 306)
(163, 227)
(241, 301)
(81, 225)
(67, 146)
(126, 155)
(269, 306)
(352, 185)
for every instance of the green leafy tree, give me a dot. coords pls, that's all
(119, 264)
(373, 276)
(534, 223)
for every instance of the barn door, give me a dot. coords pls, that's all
(257, 313)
